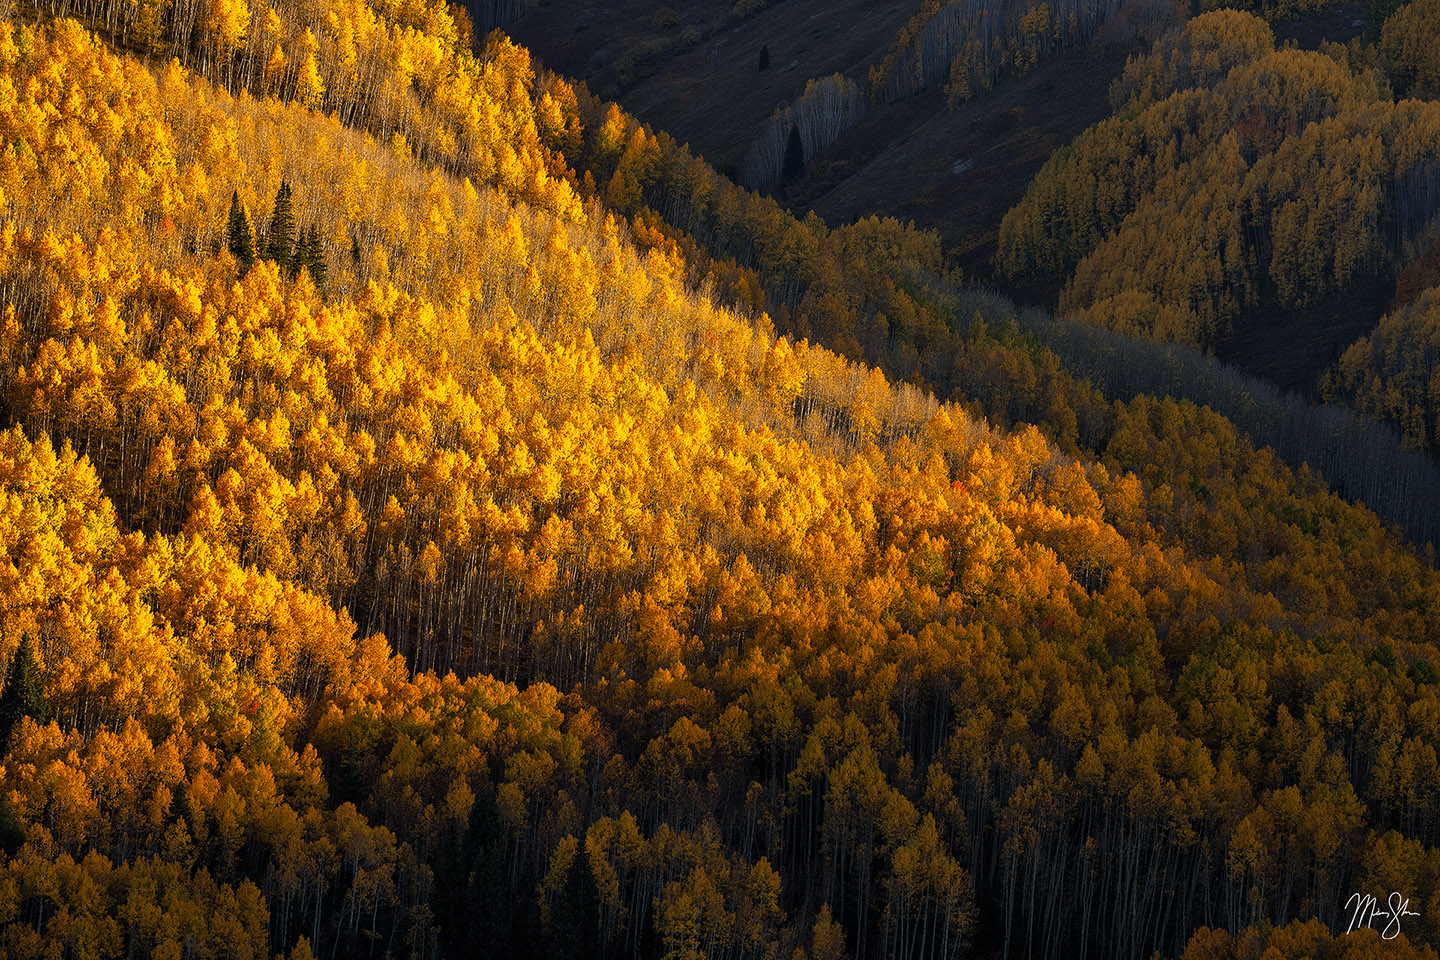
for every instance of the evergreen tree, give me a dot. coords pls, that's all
(794, 164)
(302, 251)
(280, 238)
(12, 831)
(481, 926)
(240, 235)
(764, 62)
(1375, 17)
(310, 257)
(573, 932)
(24, 694)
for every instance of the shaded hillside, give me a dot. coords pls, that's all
(958, 171)
(694, 75)
(1292, 348)
(1241, 195)
(1338, 24)
(698, 81)
(707, 91)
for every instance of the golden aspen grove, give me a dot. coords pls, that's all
(443, 517)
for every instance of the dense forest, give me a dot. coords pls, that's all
(444, 517)
(1236, 180)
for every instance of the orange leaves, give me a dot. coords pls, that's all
(773, 584)
(1200, 55)
(1408, 49)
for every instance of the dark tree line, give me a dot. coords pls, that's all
(24, 694)
(494, 14)
(1359, 458)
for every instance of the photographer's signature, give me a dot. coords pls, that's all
(1365, 910)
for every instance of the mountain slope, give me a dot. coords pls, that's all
(1234, 183)
(675, 637)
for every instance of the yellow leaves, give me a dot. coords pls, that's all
(782, 377)
(9, 52)
(309, 86)
(1408, 47)
(429, 564)
(741, 597)
(509, 471)
(1276, 135)
(229, 25)
(275, 66)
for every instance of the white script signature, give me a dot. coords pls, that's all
(1364, 909)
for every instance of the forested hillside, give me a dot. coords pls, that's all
(1236, 181)
(856, 82)
(965, 100)
(443, 518)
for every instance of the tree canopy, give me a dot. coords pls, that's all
(530, 552)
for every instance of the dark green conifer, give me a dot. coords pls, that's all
(24, 694)
(310, 257)
(12, 831)
(573, 932)
(240, 235)
(1379, 11)
(794, 164)
(764, 62)
(303, 252)
(280, 238)
(480, 924)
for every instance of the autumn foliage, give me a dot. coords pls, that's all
(1233, 179)
(539, 587)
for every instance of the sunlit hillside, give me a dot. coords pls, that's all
(443, 518)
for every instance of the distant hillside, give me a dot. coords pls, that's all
(1242, 195)
(698, 79)
(951, 159)
(957, 171)
(696, 76)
